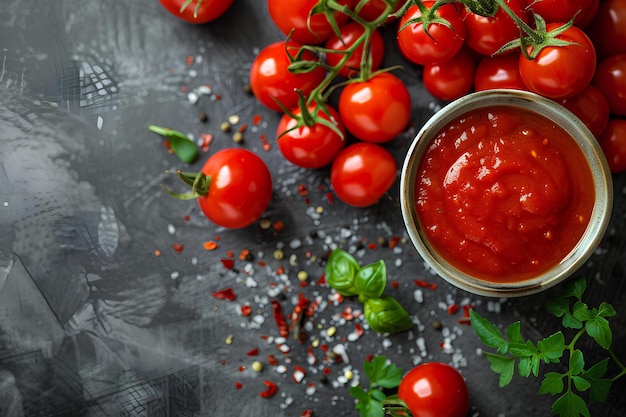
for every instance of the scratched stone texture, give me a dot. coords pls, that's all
(93, 323)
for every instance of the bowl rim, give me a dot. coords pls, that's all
(600, 171)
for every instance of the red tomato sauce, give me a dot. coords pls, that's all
(504, 194)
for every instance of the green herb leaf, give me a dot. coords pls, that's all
(581, 312)
(600, 386)
(575, 288)
(514, 332)
(367, 406)
(183, 147)
(383, 373)
(503, 366)
(581, 383)
(606, 310)
(552, 383)
(557, 305)
(598, 328)
(488, 333)
(570, 405)
(552, 347)
(571, 322)
(341, 269)
(371, 280)
(576, 362)
(386, 315)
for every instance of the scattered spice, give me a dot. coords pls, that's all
(271, 389)
(225, 294)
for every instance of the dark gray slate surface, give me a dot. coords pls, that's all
(93, 323)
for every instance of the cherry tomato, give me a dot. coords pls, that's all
(608, 29)
(310, 146)
(198, 11)
(486, 35)
(613, 143)
(350, 33)
(372, 10)
(560, 71)
(591, 107)
(559, 11)
(440, 44)
(294, 18)
(499, 71)
(610, 78)
(376, 110)
(239, 188)
(362, 173)
(271, 80)
(451, 79)
(434, 389)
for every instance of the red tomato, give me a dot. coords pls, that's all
(198, 11)
(239, 189)
(451, 79)
(610, 79)
(486, 35)
(294, 18)
(271, 80)
(613, 143)
(558, 11)
(310, 146)
(362, 173)
(376, 110)
(372, 10)
(499, 71)
(434, 389)
(560, 71)
(350, 33)
(591, 107)
(442, 44)
(608, 29)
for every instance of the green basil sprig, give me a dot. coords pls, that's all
(384, 314)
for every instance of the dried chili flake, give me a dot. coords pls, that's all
(298, 374)
(178, 247)
(229, 253)
(157, 253)
(205, 141)
(307, 413)
(228, 263)
(330, 197)
(327, 371)
(453, 308)
(466, 310)
(242, 128)
(271, 359)
(280, 270)
(256, 119)
(270, 390)
(253, 352)
(226, 294)
(303, 190)
(321, 280)
(210, 245)
(372, 246)
(279, 318)
(393, 242)
(278, 225)
(297, 315)
(246, 310)
(425, 284)
(395, 284)
(465, 321)
(189, 60)
(238, 385)
(243, 255)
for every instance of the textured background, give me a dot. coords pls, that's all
(93, 323)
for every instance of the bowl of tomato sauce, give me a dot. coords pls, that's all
(505, 193)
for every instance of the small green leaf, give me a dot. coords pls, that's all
(370, 281)
(377, 395)
(523, 349)
(383, 373)
(575, 288)
(606, 310)
(576, 362)
(341, 268)
(581, 383)
(514, 332)
(503, 366)
(600, 386)
(552, 383)
(184, 148)
(570, 405)
(557, 306)
(598, 328)
(551, 348)
(359, 393)
(581, 312)
(523, 368)
(488, 333)
(386, 315)
(367, 406)
(571, 322)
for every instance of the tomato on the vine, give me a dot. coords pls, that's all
(451, 79)
(486, 35)
(362, 173)
(372, 9)
(499, 71)
(311, 146)
(376, 110)
(350, 33)
(233, 188)
(271, 80)
(608, 29)
(197, 11)
(294, 18)
(560, 11)
(560, 71)
(610, 78)
(441, 42)
(434, 389)
(613, 144)
(591, 107)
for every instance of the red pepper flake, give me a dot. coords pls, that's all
(206, 139)
(242, 128)
(242, 368)
(262, 263)
(218, 96)
(246, 310)
(210, 245)
(297, 316)
(464, 321)
(253, 352)
(312, 308)
(256, 119)
(187, 217)
(395, 284)
(302, 190)
(393, 242)
(425, 284)
(307, 413)
(225, 294)
(330, 198)
(347, 313)
(324, 347)
(321, 280)
(303, 284)
(278, 225)
(279, 317)
(243, 255)
(372, 246)
(178, 247)
(228, 263)
(271, 359)
(359, 329)
(466, 310)
(452, 309)
(238, 385)
(184, 89)
(327, 371)
(189, 60)
(280, 270)
(270, 390)
(266, 145)
(229, 253)
(157, 253)
(298, 374)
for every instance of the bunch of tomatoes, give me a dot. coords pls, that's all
(571, 51)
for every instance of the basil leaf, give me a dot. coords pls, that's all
(341, 269)
(386, 315)
(371, 280)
